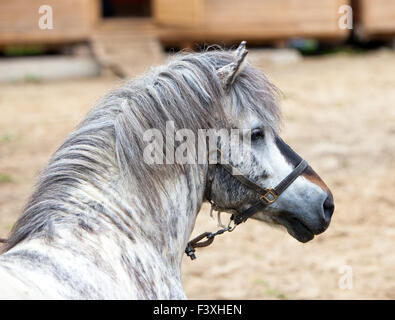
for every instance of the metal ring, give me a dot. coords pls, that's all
(230, 229)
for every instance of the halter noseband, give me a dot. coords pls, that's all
(267, 196)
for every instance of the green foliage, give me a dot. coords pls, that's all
(272, 291)
(4, 178)
(23, 50)
(31, 78)
(6, 138)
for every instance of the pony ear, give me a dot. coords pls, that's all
(227, 74)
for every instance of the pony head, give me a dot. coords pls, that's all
(250, 104)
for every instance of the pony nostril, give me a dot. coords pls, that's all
(329, 207)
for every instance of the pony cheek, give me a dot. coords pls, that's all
(226, 193)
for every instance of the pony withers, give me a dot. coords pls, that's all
(105, 223)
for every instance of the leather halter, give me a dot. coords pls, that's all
(267, 196)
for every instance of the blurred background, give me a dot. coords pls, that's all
(337, 75)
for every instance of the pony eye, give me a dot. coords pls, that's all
(257, 134)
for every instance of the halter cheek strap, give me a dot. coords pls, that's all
(266, 198)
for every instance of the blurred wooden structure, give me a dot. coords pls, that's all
(73, 21)
(253, 20)
(178, 21)
(183, 22)
(127, 46)
(374, 19)
(124, 31)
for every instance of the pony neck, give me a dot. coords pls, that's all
(158, 236)
(110, 223)
(170, 222)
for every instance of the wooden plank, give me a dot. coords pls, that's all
(73, 21)
(256, 19)
(178, 12)
(376, 18)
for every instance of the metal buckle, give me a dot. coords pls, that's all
(270, 196)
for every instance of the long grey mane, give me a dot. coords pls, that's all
(108, 145)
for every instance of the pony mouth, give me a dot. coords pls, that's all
(295, 227)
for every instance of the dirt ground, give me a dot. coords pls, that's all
(339, 114)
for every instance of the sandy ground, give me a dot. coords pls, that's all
(339, 114)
